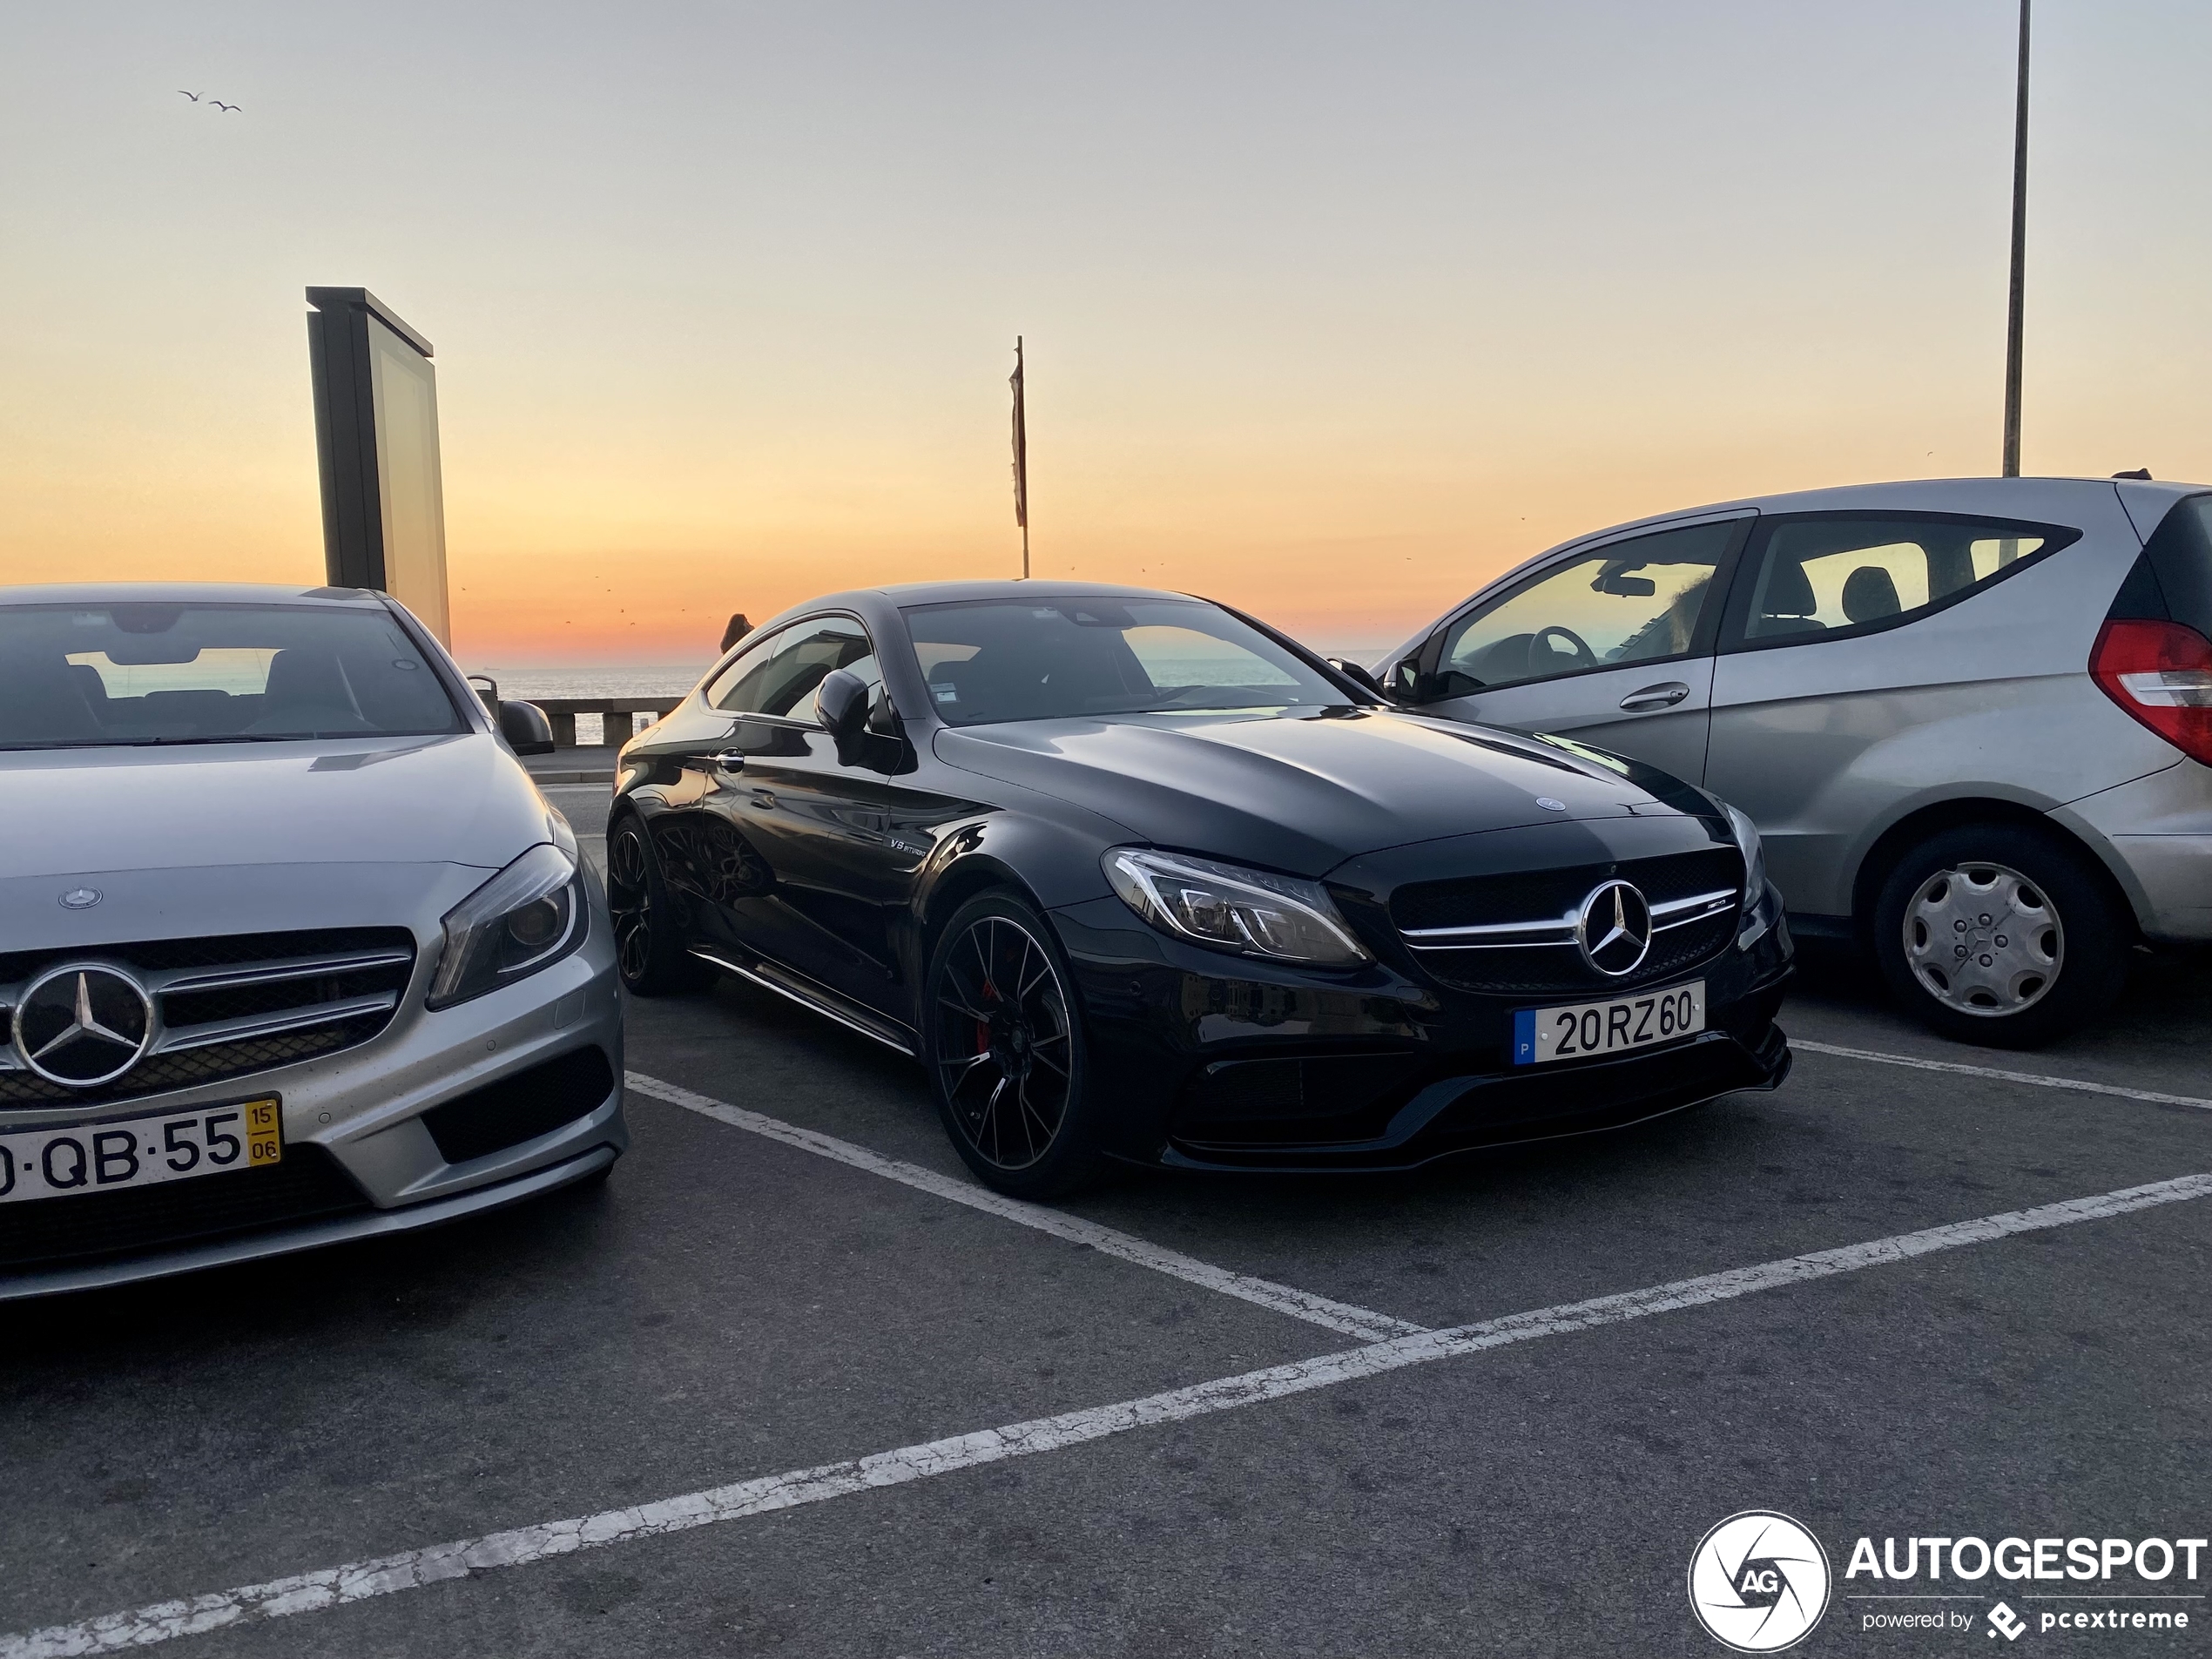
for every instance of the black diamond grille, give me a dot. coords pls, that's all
(220, 1062)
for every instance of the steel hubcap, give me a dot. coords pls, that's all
(1002, 1050)
(1984, 940)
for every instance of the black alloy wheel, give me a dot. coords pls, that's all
(1999, 935)
(1004, 1046)
(649, 950)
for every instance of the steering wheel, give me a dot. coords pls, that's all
(1584, 657)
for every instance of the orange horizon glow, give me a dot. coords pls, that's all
(1333, 322)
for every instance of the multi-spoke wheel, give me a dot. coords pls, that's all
(649, 953)
(1005, 1050)
(1995, 934)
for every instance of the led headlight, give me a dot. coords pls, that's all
(1251, 912)
(529, 915)
(1761, 906)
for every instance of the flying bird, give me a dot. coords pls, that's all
(195, 97)
(233, 108)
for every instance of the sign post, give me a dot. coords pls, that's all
(376, 434)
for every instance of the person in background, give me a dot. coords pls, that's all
(738, 630)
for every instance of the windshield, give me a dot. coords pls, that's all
(1012, 660)
(74, 676)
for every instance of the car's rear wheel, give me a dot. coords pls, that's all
(649, 948)
(1994, 934)
(1003, 1039)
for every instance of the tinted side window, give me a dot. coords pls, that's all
(2171, 581)
(777, 676)
(1815, 578)
(1637, 601)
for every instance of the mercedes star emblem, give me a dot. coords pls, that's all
(1615, 928)
(80, 898)
(83, 1025)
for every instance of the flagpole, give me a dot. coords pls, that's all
(2013, 320)
(1020, 459)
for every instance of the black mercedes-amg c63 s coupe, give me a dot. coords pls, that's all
(1135, 877)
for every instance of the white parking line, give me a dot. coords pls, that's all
(1340, 1317)
(332, 1587)
(2036, 1078)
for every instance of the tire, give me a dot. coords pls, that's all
(998, 1019)
(649, 949)
(2001, 935)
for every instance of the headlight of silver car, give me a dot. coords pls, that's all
(1760, 905)
(1251, 912)
(527, 916)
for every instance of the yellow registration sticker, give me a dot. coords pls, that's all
(264, 1132)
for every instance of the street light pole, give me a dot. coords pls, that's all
(2020, 263)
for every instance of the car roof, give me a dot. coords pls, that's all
(913, 593)
(110, 593)
(1997, 496)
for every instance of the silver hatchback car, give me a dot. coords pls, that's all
(292, 949)
(1971, 717)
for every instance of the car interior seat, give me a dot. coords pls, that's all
(1870, 594)
(40, 702)
(1787, 604)
(306, 691)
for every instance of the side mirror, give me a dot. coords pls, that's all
(1406, 680)
(841, 707)
(525, 728)
(1358, 675)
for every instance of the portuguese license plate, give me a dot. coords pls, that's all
(1586, 1029)
(141, 1151)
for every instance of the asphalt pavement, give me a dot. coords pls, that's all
(1129, 1425)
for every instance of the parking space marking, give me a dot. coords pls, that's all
(2036, 1078)
(333, 1587)
(1340, 1317)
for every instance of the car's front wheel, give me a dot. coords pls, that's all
(1993, 934)
(1003, 1039)
(649, 951)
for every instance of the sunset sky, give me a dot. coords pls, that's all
(1333, 311)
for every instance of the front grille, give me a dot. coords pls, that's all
(521, 1108)
(230, 1006)
(307, 1185)
(1555, 967)
(1530, 895)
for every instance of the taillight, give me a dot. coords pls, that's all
(2161, 673)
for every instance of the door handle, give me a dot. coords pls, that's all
(1655, 697)
(730, 761)
(764, 799)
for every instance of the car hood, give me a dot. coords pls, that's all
(1303, 790)
(460, 800)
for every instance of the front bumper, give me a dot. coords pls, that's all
(1221, 1063)
(439, 1115)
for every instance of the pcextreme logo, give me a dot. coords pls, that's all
(1759, 1581)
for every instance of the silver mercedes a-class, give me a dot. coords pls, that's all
(292, 949)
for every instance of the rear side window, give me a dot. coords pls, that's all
(2172, 582)
(1828, 576)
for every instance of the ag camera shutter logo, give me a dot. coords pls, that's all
(1759, 1581)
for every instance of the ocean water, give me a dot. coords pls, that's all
(595, 679)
